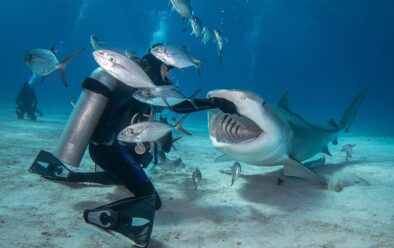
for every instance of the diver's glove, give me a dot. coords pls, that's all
(224, 105)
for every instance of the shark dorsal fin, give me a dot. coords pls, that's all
(333, 123)
(326, 151)
(284, 100)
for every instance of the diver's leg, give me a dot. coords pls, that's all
(49, 167)
(31, 115)
(19, 113)
(121, 165)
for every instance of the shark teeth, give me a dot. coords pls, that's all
(232, 129)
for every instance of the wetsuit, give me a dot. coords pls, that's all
(27, 103)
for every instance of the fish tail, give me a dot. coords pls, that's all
(179, 125)
(65, 63)
(197, 64)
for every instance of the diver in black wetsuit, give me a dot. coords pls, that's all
(26, 102)
(122, 163)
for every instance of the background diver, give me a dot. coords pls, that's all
(26, 103)
(104, 108)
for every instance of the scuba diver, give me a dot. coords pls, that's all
(104, 108)
(26, 102)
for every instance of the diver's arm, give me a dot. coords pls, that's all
(204, 104)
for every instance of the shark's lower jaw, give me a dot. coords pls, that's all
(233, 129)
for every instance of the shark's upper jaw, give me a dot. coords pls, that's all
(233, 129)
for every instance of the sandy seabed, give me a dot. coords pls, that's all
(356, 210)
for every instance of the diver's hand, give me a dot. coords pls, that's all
(224, 105)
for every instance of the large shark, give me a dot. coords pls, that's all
(268, 135)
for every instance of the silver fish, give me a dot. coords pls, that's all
(235, 171)
(219, 43)
(183, 7)
(205, 35)
(196, 26)
(176, 56)
(148, 131)
(44, 61)
(125, 70)
(196, 177)
(96, 43)
(172, 96)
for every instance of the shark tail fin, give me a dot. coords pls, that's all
(351, 111)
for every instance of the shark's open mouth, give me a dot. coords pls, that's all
(232, 129)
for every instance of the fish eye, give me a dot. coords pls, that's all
(111, 59)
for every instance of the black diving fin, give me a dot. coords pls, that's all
(132, 217)
(49, 167)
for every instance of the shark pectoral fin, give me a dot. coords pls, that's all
(296, 169)
(223, 158)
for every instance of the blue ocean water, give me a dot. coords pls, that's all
(324, 52)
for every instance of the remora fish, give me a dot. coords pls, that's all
(196, 26)
(44, 61)
(273, 135)
(205, 35)
(148, 131)
(172, 96)
(127, 71)
(179, 57)
(235, 171)
(219, 40)
(196, 177)
(183, 7)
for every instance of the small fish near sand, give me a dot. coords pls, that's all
(235, 171)
(177, 56)
(196, 177)
(348, 149)
(149, 131)
(44, 61)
